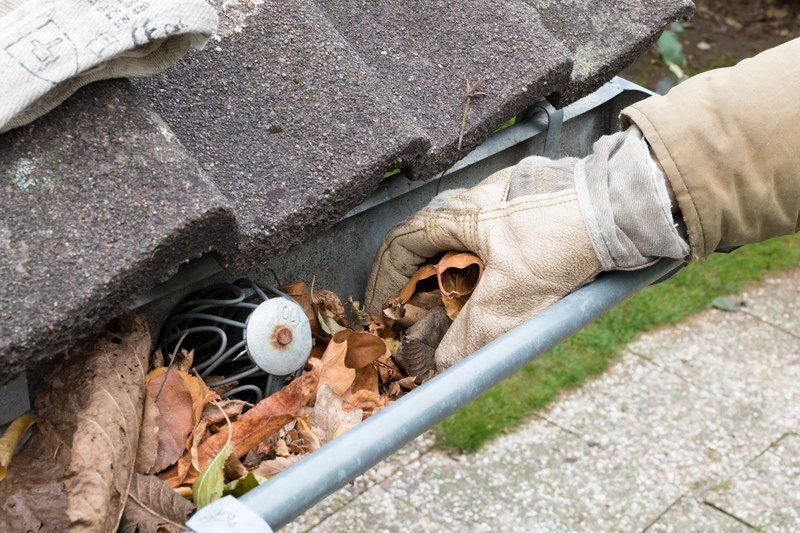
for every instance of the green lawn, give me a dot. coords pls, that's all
(593, 349)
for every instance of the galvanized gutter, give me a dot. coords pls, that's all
(357, 236)
(293, 491)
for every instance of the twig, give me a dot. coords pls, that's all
(169, 367)
(471, 93)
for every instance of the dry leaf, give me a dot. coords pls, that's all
(147, 451)
(426, 300)
(329, 419)
(153, 507)
(420, 281)
(234, 469)
(366, 380)
(273, 467)
(201, 394)
(393, 391)
(392, 344)
(368, 401)
(231, 407)
(458, 274)
(405, 315)
(75, 470)
(281, 449)
(331, 304)
(335, 373)
(265, 418)
(409, 383)
(184, 360)
(361, 318)
(310, 439)
(181, 472)
(453, 306)
(11, 438)
(418, 348)
(173, 400)
(387, 369)
(302, 295)
(362, 347)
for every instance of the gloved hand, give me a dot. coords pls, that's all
(543, 228)
(51, 48)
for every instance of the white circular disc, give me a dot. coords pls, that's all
(260, 333)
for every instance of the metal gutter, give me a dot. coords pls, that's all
(358, 234)
(294, 490)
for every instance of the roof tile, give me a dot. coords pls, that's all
(99, 203)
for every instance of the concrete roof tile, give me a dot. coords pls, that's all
(100, 202)
(426, 51)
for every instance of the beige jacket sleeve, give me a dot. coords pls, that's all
(729, 143)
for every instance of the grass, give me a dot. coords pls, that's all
(593, 349)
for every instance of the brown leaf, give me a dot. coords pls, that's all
(302, 295)
(201, 394)
(417, 350)
(234, 469)
(366, 380)
(387, 369)
(153, 507)
(329, 419)
(184, 360)
(328, 301)
(393, 391)
(453, 306)
(281, 449)
(181, 472)
(458, 273)
(409, 383)
(212, 414)
(75, 470)
(147, 451)
(310, 440)
(273, 467)
(199, 434)
(335, 373)
(392, 344)
(368, 402)
(426, 300)
(424, 277)
(265, 418)
(362, 347)
(405, 315)
(171, 396)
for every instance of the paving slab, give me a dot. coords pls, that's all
(671, 438)
(605, 37)
(689, 515)
(288, 121)
(99, 203)
(540, 478)
(766, 493)
(377, 511)
(777, 301)
(753, 366)
(426, 52)
(383, 470)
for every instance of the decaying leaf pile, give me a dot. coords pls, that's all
(112, 439)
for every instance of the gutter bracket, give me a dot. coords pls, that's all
(555, 119)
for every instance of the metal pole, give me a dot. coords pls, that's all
(295, 490)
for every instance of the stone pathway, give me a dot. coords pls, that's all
(695, 428)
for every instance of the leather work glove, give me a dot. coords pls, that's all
(543, 228)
